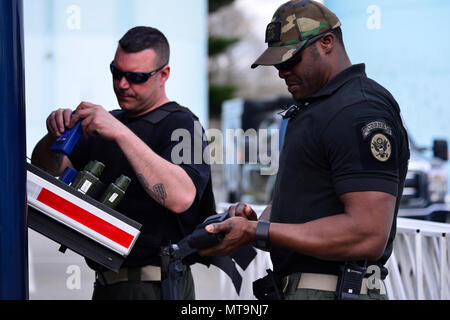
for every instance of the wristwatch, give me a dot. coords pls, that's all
(262, 235)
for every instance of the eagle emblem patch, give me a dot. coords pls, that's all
(380, 147)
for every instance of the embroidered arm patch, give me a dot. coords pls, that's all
(377, 145)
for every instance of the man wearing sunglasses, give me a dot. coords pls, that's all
(168, 199)
(342, 168)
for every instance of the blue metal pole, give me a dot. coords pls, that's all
(13, 208)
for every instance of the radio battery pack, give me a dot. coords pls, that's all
(68, 140)
(350, 281)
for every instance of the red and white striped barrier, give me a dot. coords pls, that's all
(80, 215)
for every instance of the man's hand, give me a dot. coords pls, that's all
(58, 121)
(97, 121)
(42, 157)
(239, 231)
(242, 210)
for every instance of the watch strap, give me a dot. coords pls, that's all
(262, 235)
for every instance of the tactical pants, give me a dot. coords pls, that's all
(141, 290)
(293, 293)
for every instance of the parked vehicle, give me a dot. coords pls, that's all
(424, 195)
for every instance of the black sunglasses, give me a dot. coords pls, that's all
(292, 62)
(132, 77)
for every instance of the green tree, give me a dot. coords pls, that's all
(214, 5)
(217, 46)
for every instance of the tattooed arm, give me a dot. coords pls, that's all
(165, 182)
(157, 192)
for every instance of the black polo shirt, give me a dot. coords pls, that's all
(348, 137)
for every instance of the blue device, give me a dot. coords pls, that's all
(68, 175)
(68, 140)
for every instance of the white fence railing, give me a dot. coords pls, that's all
(418, 267)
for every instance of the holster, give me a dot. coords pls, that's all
(269, 287)
(172, 273)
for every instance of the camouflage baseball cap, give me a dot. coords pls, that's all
(292, 25)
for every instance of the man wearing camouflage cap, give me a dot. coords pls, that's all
(331, 225)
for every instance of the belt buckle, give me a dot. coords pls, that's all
(151, 273)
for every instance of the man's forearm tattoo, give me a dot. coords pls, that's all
(158, 192)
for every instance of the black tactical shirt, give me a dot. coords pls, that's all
(159, 225)
(348, 137)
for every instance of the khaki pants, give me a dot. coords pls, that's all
(141, 290)
(292, 293)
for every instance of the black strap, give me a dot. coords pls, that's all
(227, 265)
(171, 260)
(163, 111)
(158, 114)
(244, 256)
(262, 235)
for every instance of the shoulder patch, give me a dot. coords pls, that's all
(380, 146)
(375, 125)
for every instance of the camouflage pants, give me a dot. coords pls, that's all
(292, 293)
(141, 290)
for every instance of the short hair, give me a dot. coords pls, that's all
(141, 38)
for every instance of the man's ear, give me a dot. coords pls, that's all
(328, 42)
(164, 75)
